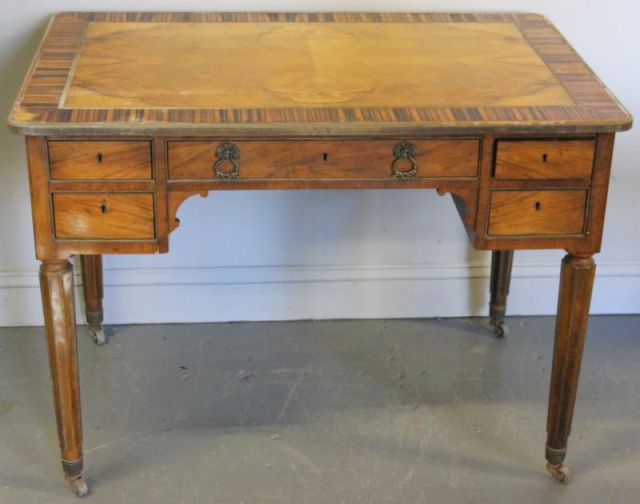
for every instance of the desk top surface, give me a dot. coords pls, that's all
(309, 74)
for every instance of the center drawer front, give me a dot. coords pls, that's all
(103, 216)
(537, 213)
(330, 159)
(544, 159)
(99, 160)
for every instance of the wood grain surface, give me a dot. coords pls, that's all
(57, 290)
(545, 159)
(577, 275)
(285, 65)
(99, 160)
(92, 289)
(103, 216)
(296, 74)
(325, 159)
(543, 212)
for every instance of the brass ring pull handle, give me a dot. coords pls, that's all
(404, 151)
(227, 153)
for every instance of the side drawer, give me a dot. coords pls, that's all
(537, 213)
(323, 159)
(544, 159)
(103, 216)
(99, 160)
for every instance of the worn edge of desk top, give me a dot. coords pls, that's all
(36, 110)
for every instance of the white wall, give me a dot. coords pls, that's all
(292, 255)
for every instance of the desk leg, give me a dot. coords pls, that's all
(501, 263)
(93, 293)
(56, 286)
(576, 282)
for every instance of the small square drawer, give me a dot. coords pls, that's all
(544, 159)
(99, 160)
(537, 213)
(103, 216)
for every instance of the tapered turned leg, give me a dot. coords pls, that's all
(576, 282)
(56, 286)
(501, 263)
(93, 293)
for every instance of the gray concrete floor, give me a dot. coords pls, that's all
(403, 411)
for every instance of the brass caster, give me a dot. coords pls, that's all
(501, 329)
(559, 472)
(97, 335)
(77, 484)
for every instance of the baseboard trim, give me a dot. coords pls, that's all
(234, 293)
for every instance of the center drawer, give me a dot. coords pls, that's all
(323, 159)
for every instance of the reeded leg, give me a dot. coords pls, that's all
(93, 293)
(501, 263)
(576, 282)
(56, 286)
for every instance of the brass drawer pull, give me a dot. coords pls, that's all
(227, 152)
(404, 150)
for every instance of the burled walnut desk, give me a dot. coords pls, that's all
(126, 115)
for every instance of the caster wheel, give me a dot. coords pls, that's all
(501, 329)
(559, 472)
(78, 485)
(97, 335)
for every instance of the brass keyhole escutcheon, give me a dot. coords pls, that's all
(227, 154)
(402, 153)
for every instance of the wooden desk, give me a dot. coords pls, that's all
(129, 114)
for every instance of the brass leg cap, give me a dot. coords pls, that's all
(559, 472)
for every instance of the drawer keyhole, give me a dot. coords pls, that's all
(99, 157)
(538, 205)
(103, 207)
(325, 156)
(544, 158)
